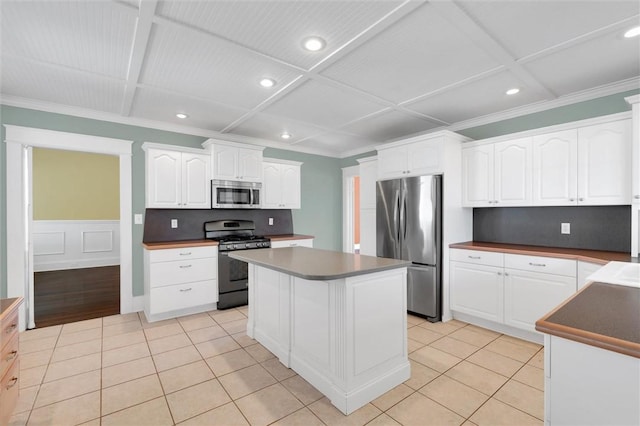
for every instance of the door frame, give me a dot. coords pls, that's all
(348, 207)
(19, 142)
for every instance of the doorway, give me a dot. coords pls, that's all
(20, 264)
(75, 234)
(351, 209)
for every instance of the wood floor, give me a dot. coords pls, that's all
(76, 294)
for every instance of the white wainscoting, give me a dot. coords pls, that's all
(72, 244)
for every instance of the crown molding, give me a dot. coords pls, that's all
(19, 102)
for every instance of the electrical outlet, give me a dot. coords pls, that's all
(174, 223)
(270, 221)
(565, 228)
(137, 219)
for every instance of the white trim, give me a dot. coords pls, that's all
(555, 128)
(210, 142)
(279, 161)
(348, 208)
(152, 145)
(367, 159)
(18, 269)
(137, 304)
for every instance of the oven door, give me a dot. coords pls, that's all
(233, 274)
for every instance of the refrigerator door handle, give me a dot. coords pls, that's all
(404, 220)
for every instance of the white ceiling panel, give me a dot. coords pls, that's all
(32, 80)
(204, 66)
(421, 54)
(336, 142)
(528, 26)
(277, 28)
(161, 106)
(590, 64)
(480, 97)
(322, 105)
(269, 127)
(92, 36)
(390, 125)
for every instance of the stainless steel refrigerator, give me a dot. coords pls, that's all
(409, 227)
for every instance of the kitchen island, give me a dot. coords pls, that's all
(592, 356)
(337, 319)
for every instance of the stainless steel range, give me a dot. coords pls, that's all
(233, 275)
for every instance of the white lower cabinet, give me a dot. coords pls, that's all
(180, 281)
(509, 289)
(306, 242)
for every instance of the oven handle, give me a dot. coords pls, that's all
(251, 197)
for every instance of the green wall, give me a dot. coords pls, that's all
(321, 213)
(73, 185)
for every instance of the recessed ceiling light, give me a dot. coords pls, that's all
(313, 43)
(267, 82)
(633, 32)
(285, 135)
(513, 91)
(182, 115)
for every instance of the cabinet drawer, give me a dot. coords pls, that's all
(185, 253)
(9, 353)
(9, 392)
(547, 265)
(171, 298)
(9, 328)
(292, 243)
(185, 271)
(488, 258)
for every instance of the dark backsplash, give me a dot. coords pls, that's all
(592, 227)
(157, 222)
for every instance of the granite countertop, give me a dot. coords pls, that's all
(594, 256)
(204, 242)
(316, 264)
(602, 315)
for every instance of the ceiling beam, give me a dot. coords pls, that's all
(144, 24)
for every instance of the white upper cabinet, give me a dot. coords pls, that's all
(281, 184)
(410, 159)
(177, 179)
(604, 163)
(586, 165)
(512, 179)
(232, 161)
(555, 168)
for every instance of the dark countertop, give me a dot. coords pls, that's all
(602, 315)
(316, 264)
(594, 256)
(204, 242)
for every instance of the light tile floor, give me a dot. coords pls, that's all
(204, 370)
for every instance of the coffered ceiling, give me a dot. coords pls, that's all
(389, 69)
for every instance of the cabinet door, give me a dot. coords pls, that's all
(290, 186)
(423, 158)
(196, 181)
(604, 163)
(307, 242)
(555, 168)
(477, 176)
(392, 162)
(368, 232)
(164, 179)
(477, 290)
(529, 295)
(584, 270)
(225, 162)
(368, 175)
(249, 165)
(512, 173)
(271, 186)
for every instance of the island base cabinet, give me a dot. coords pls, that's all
(586, 385)
(346, 337)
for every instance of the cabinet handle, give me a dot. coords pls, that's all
(537, 264)
(293, 245)
(580, 199)
(11, 328)
(500, 273)
(506, 275)
(637, 197)
(474, 257)
(186, 254)
(185, 266)
(11, 355)
(12, 382)
(186, 289)
(572, 199)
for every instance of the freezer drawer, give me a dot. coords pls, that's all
(423, 292)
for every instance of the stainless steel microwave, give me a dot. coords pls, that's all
(229, 194)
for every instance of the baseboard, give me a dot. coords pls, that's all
(137, 304)
(75, 264)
